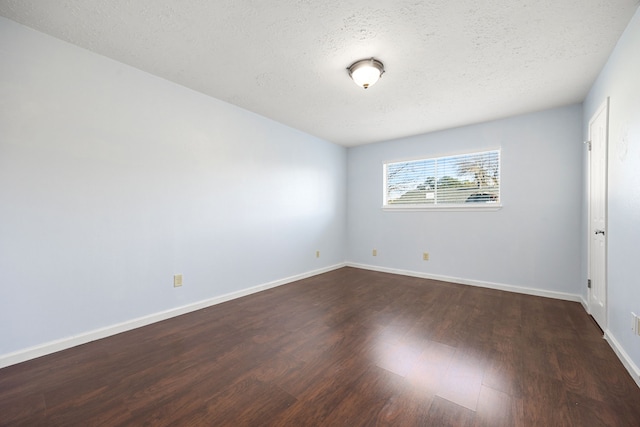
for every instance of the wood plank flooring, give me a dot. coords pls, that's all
(346, 348)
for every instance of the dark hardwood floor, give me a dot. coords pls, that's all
(346, 348)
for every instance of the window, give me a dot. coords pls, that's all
(462, 181)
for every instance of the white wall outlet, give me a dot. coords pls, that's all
(317, 254)
(634, 324)
(374, 252)
(177, 280)
(425, 256)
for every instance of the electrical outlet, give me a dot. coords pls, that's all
(375, 252)
(634, 325)
(425, 256)
(177, 280)
(317, 254)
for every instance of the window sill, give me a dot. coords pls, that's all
(446, 208)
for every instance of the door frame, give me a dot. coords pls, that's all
(604, 106)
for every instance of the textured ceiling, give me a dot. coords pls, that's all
(448, 63)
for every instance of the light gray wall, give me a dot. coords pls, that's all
(113, 180)
(533, 241)
(620, 80)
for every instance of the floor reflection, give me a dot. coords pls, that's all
(432, 368)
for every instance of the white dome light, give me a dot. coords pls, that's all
(366, 72)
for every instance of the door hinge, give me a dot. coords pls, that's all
(588, 145)
(589, 283)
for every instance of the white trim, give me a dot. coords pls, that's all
(456, 153)
(633, 370)
(584, 303)
(458, 280)
(443, 207)
(96, 334)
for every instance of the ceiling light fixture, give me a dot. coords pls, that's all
(366, 72)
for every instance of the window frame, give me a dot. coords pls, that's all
(443, 206)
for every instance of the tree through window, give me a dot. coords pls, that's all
(464, 180)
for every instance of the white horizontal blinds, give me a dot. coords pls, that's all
(469, 178)
(411, 182)
(453, 180)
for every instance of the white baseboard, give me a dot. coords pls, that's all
(69, 342)
(631, 367)
(490, 285)
(585, 304)
(75, 340)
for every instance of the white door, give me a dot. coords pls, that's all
(598, 137)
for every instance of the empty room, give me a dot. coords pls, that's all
(294, 213)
